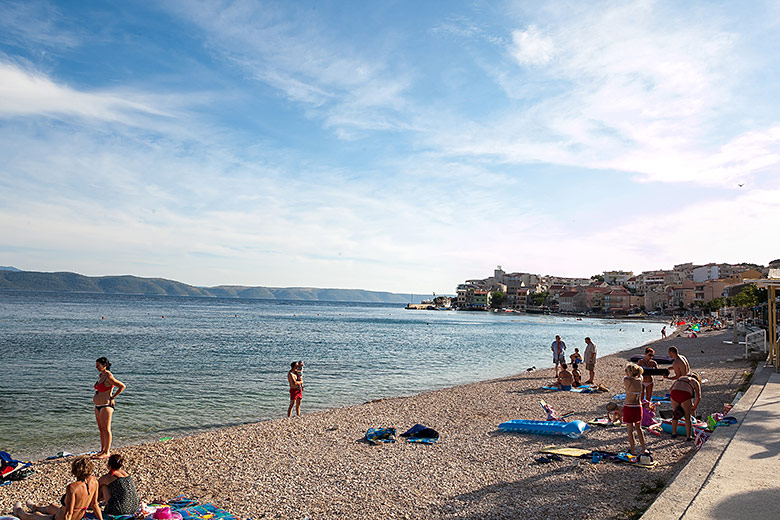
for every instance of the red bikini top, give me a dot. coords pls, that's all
(100, 387)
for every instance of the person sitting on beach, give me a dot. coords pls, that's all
(647, 381)
(295, 379)
(576, 376)
(117, 489)
(681, 395)
(565, 378)
(680, 364)
(648, 413)
(576, 358)
(613, 412)
(632, 407)
(79, 496)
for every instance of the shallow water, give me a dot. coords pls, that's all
(198, 363)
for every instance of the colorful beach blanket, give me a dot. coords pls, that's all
(377, 435)
(656, 398)
(584, 389)
(205, 512)
(421, 434)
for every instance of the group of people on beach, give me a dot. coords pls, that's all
(115, 490)
(567, 379)
(685, 394)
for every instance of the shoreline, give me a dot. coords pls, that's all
(473, 471)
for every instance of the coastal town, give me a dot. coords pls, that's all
(684, 288)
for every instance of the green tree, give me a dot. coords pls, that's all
(597, 277)
(750, 296)
(497, 299)
(538, 299)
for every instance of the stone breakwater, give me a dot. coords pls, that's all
(316, 466)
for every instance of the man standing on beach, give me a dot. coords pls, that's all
(590, 360)
(663, 332)
(295, 379)
(680, 364)
(557, 347)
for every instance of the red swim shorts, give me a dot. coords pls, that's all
(632, 414)
(296, 393)
(680, 396)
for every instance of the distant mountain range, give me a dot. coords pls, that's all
(15, 279)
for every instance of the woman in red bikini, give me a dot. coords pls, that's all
(681, 395)
(104, 404)
(79, 496)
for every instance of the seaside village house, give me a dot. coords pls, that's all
(621, 292)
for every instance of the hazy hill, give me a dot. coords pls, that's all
(14, 279)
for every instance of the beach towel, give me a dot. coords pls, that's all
(603, 421)
(12, 469)
(656, 398)
(421, 434)
(700, 437)
(376, 435)
(205, 512)
(584, 389)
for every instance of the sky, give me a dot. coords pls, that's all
(394, 146)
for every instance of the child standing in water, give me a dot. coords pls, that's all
(632, 408)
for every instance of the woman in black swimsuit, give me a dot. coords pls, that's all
(104, 404)
(117, 489)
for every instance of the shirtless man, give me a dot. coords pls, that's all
(680, 364)
(295, 379)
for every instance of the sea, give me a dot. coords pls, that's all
(195, 364)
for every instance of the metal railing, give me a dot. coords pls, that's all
(755, 342)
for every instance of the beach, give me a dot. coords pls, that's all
(317, 465)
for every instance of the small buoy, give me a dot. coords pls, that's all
(102, 317)
(163, 316)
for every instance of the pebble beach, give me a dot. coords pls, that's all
(317, 466)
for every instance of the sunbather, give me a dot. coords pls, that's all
(79, 496)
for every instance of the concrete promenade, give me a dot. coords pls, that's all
(736, 474)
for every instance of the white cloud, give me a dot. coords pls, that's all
(25, 92)
(531, 47)
(630, 86)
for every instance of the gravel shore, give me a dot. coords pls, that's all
(317, 466)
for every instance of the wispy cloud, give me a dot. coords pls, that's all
(24, 23)
(630, 86)
(26, 92)
(349, 87)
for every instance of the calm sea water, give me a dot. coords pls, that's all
(193, 363)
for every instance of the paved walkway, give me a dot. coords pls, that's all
(736, 475)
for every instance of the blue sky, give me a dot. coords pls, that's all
(401, 146)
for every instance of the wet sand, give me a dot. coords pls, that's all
(317, 466)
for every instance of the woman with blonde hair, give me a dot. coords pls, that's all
(79, 496)
(632, 408)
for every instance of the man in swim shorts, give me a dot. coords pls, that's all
(558, 347)
(295, 379)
